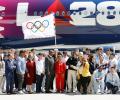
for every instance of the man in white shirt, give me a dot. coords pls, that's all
(112, 80)
(98, 80)
(100, 57)
(40, 71)
(118, 67)
(113, 61)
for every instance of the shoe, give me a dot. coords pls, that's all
(78, 92)
(30, 92)
(53, 91)
(1, 92)
(43, 90)
(108, 91)
(48, 92)
(84, 93)
(12, 93)
(24, 91)
(15, 90)
(8, 93)
(74, 91)
(21, 92)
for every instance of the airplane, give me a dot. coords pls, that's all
(78, 22)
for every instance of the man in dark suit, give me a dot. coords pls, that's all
(9, 73)
(49, 71)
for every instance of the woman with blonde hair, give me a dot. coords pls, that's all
(79, 71)
(86, 75)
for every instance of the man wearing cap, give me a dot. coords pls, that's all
(98, 80)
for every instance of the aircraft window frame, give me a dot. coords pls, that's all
(68, 13)
(2, 14)
(114, 12)
(80, 13)
(46, 12)
(41, 13)
(62, 13)
(35, 13)
(57, 13)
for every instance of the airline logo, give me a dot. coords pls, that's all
(71, 16)
(106, 13)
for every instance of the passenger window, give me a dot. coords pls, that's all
(57, 13)
(41, 13)
(63, 13)
(68, 13)
(46, 13)
(35, 13)
(114, 13)
(3, 14)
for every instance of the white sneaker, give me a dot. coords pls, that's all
(108, 91)
(0, 92)
(74, 91)
(43, 89)
(21, 92)
(53, 91)
(15, 90)
(77, 92)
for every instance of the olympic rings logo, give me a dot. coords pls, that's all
(37, 26)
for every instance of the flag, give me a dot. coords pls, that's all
(42, 27)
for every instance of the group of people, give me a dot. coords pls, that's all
(25, 71)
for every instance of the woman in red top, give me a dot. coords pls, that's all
(60, 68)
(30, 74)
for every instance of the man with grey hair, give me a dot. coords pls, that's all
(49, 71)
(72, 71)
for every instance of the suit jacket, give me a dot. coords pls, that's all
(49, 65)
